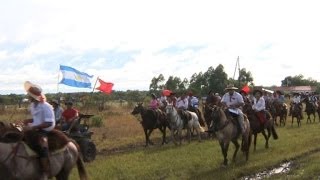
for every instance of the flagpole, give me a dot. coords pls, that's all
(58, 80)
(90, 97)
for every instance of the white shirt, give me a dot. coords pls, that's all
(234, 99)
(182, 103)
(259, 105)
(296, 99)
(194, 102)
(43, 112)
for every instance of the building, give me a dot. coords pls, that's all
(293, 89)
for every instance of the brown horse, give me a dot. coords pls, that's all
(18, 161)
(310, 110)
(257, 127)
(296, 113)
(280, 110)
(226, 130)
(151, 119)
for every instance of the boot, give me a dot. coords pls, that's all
(45, 168)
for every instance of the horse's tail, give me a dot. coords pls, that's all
(274, 133)
(81, 169)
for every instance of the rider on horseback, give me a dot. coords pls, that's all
(40, 124)
(182, 105)
(259, 106)
(296, 101)
(234, 101)
(154, 105)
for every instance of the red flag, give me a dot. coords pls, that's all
(105, 87)
(246, 89)
(166, 92)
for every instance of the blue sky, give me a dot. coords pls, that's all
(130, 42)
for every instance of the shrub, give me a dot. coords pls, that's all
(96, 121)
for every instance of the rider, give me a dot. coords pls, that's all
(58, 110)
(40, 124)
(194, 106)
(296, 100)
(259, 106)
(154, 105)
(69, 117)
(182, 105)
(234, 101)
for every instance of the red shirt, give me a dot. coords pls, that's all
(68, 114)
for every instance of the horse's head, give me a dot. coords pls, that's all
(137, 109)
(217, 115)
(247, 108)
(169, 108)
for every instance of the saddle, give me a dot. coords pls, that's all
(185, 116)
(12, 133)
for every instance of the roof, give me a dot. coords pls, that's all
(295, 88)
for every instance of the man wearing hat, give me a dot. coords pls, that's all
(259, 105)
(40, 124)
(234, 101)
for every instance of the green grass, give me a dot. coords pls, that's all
(203, 160)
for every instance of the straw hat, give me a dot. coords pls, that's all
(230, 87)
(34, 91)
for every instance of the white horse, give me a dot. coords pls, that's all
(176, 124)
(18, 161)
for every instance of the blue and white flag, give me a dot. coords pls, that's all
(75, 78)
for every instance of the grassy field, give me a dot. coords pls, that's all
(121, 154)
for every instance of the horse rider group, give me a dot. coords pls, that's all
(183, 103)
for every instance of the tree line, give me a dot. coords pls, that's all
(200, 83)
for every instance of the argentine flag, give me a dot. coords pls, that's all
(75, 78)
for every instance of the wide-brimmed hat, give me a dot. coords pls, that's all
(230, 87)
(257, 90)
(34, 91)
(54, 101)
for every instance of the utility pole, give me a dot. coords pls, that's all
(235, 69)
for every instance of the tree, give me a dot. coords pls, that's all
(156, 83)
(298, 80)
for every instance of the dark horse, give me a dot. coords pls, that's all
(257, 127)
(227, 130)
(310, 109)
(151, 119)
(296, 113)
(280, 110)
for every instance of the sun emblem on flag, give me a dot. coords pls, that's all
(78, 77)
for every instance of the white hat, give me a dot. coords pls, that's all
(34, 91)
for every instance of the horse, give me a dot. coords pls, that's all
(296, 113)
(257, 127)
(19, 161)
(151, 119)
(280, 110)
(227, 130)
(310, 109)
(177, 124)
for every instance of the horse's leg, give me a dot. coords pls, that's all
(255, 141)
(62, 175)
(189, 134)
(292, 120)
(224, 149)
(146, 136)
(266, 137)
(180, 136)
(163, 131)
(173, 137)
(149, 133)
(236, 144)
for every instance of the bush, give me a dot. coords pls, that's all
(96, 121)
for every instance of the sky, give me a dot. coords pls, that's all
(130, 42)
